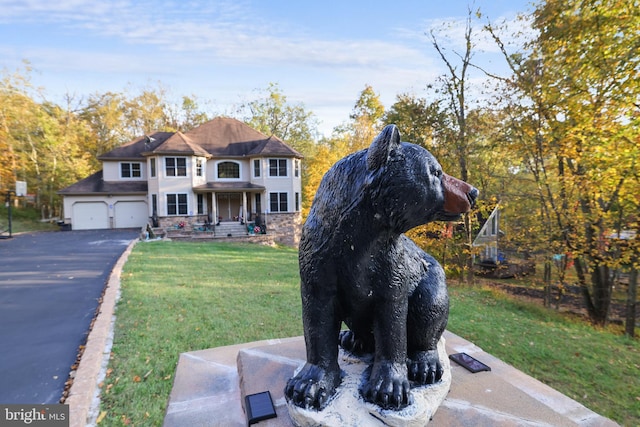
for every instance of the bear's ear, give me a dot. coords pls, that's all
(381, 147)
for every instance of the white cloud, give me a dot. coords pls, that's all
(225, 48)
(219, 30)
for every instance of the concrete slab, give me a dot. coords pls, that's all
(210, 385)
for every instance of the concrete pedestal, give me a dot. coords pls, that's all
(210, 386)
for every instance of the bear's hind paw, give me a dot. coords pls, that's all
(353, 344)
(425, 368)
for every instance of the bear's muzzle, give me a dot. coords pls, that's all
(459, 197)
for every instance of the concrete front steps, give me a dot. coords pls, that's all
(210, 385)
(225, 231)
(230, 229)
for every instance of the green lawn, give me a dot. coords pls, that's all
(180, 296)
(22, 220)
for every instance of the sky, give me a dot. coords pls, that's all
(321, 54)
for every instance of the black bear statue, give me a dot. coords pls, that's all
(357, 267)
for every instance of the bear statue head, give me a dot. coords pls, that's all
(408, 187)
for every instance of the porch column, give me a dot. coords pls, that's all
(214, 208)
(244, 207)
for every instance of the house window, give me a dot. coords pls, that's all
(278, 202)
(200, 197)
(256, 168)
(152, 167)
(177, 204)
(176, 166)
(297, 195)
(199, 171)
(277, 167)
(228, 170)
(130, 170)
(296, 167)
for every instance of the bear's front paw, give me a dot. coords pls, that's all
(425, 367)
(388, 386)
(312, 387)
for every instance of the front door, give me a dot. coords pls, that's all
(229, 206)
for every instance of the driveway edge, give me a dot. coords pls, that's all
(85, 390)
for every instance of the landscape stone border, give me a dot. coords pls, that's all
(84, 395)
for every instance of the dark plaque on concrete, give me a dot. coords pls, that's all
(259, 407)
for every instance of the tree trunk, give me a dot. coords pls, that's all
(632, 297)
(602, 284)
(597, 297)
(547, 284)
(469, 247)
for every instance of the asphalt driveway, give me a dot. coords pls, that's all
(50, 284)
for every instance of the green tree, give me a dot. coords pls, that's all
(272, 114)
(577, 129)
(417, 119)
(454, 89)
(189, 116)
(365, 121)
(147, 112)
(16, 108)
(105, 114)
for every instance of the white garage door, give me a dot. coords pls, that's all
(90, 216)
(131, 214)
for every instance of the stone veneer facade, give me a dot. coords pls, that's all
(285, 228)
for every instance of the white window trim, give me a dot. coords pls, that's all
(239, 178)
(279, 201)
(131, 169)
(166, 204)
(253, 168)
(203, 167)
(286, 168)
(164, 168)
(154, 161)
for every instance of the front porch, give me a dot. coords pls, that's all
(280, 228)
(230, 201)
(200, 227)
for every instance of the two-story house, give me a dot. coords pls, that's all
(221, 171)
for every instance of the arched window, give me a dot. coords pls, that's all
(228, 170)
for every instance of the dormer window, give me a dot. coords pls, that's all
(228, 170)
(130, 170)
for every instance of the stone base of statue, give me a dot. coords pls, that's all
(210, 386)
(348, 408)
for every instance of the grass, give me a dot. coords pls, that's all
(22, 220)
(596, 367)
(180, 296)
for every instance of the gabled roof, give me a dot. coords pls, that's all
(95, 184)
(220, 137)
(135, 148)
(227, 137)
(179, 143)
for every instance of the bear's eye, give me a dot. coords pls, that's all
(437, 173)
